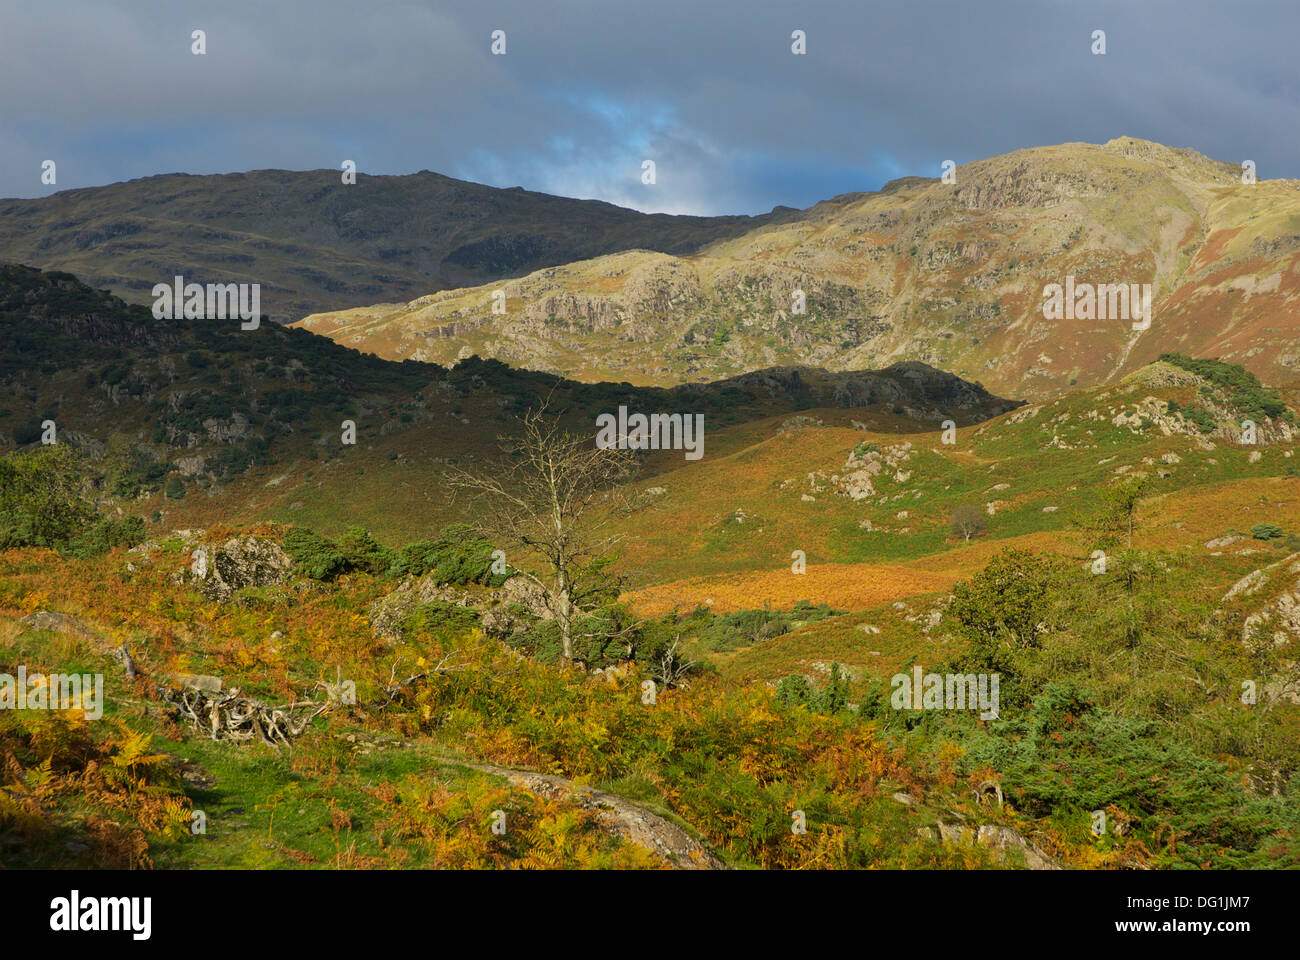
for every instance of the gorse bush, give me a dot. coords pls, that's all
(1245, 392)
(458, 556)
(1180, 805)
(830, 697)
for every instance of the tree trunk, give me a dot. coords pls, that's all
(566, 621)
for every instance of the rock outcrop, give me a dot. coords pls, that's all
(241, 562)
(506, 610)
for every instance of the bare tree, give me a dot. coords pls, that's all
(673, 667)
(968, 521)
(554, 497)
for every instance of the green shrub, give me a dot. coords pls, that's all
(998, 612)
(313, 555)
(793, 690)
(458, 556)
(1066, 757)
(104, 534)
(40, 498)
(320, 558)
(26, 433)
(1202, 418)
(361, 552)
(743, 628)
(175, 489)
(129, 472)
(1266, 531)
(832, 697)
(1245, 391)
(440, 622)
(41, 505)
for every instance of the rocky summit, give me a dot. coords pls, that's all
(952, 274)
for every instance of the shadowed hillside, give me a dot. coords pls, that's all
(195, 404)
(315, 243)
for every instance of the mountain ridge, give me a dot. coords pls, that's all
(407, 267)
(948, 274)
(384, 235)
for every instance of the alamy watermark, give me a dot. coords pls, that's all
(657, 431)
(1103, 301)
(953, 691)
(55, 691)
(215, 301)
(75, 913)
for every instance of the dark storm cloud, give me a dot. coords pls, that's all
(707, 89)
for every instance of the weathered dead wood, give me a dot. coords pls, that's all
(228, 717)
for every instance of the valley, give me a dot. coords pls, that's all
(317, 643)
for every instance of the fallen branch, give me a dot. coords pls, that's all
(450, 663)
(228, 717)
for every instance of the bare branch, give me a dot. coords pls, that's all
(552, 497)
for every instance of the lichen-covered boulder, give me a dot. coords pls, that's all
(241, 562)
(388, 612)
(519, 603)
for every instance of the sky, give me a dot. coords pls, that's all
(585, 92)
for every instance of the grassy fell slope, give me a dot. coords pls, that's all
(250, 423)
(864, 488)
(1032, 472)
(948, 274)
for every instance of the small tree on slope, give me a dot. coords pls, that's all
(554, 497)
